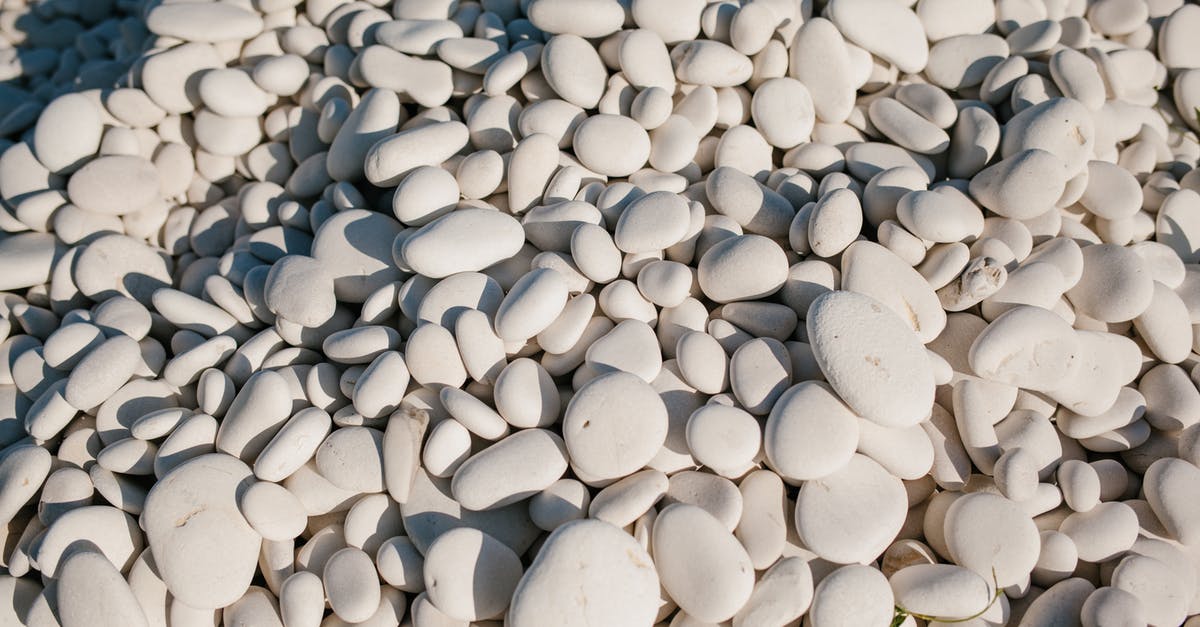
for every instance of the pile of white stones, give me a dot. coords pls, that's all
(604, 313)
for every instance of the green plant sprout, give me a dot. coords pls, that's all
(901, 613)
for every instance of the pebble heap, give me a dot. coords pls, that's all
(599, 313)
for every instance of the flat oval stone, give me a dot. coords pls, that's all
(355, 245)
(469, 575)
(852, 514)
(942, 590)
(211, 22)
(511, 470)
(871, 358)
(119, 265)
(614, 425)
(587, 573)
(205, 550)
(703, 567)
(810, 433)
(114, 185)
(588, 19)
(466, 240)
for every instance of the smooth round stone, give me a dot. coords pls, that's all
(702, 362)
(531, 305)
(852, 514)
(1176, 47)
(23, 470)
(351, 458)
(743, 267)
(588, 19)
(712, 63)
(272, 511)
(390, 159)
(232, 93)
(783, 111)
(469, 575)
(67, 133)
(942, 590)
(907, 128)
(1109, 605)
(351, 584)
(574, 71)
(85, 577)
(887, 29)
(716, 495)
(355, 246)
(102, 372)
(725, 439)
(206, 552)
(1026, 346)
(300, 289)
(525, 395)
(871, 358)
(963, 61)
(782, 594)
(834, 223)
(652, 223)
(1116, 284)
(1060, 126)
(1062, 602)
(561, 502)
(1021, 186)
(852, 595)
(466, 240)
(759, 372)
(28, 259)
(210, 22)
(614, 426)
(702, 566)
(513, 469)
(1163, 597)
(1167, 482)
(114, 185)
(754, 206)
(168, 77)
(631, 346)
(587, 573)
(400, 564)
(622, 502)
(877, 272)
(819, 59)
(810, 432)
(1103, 532)
(116, 265)
(612, 145)
(988, 533)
